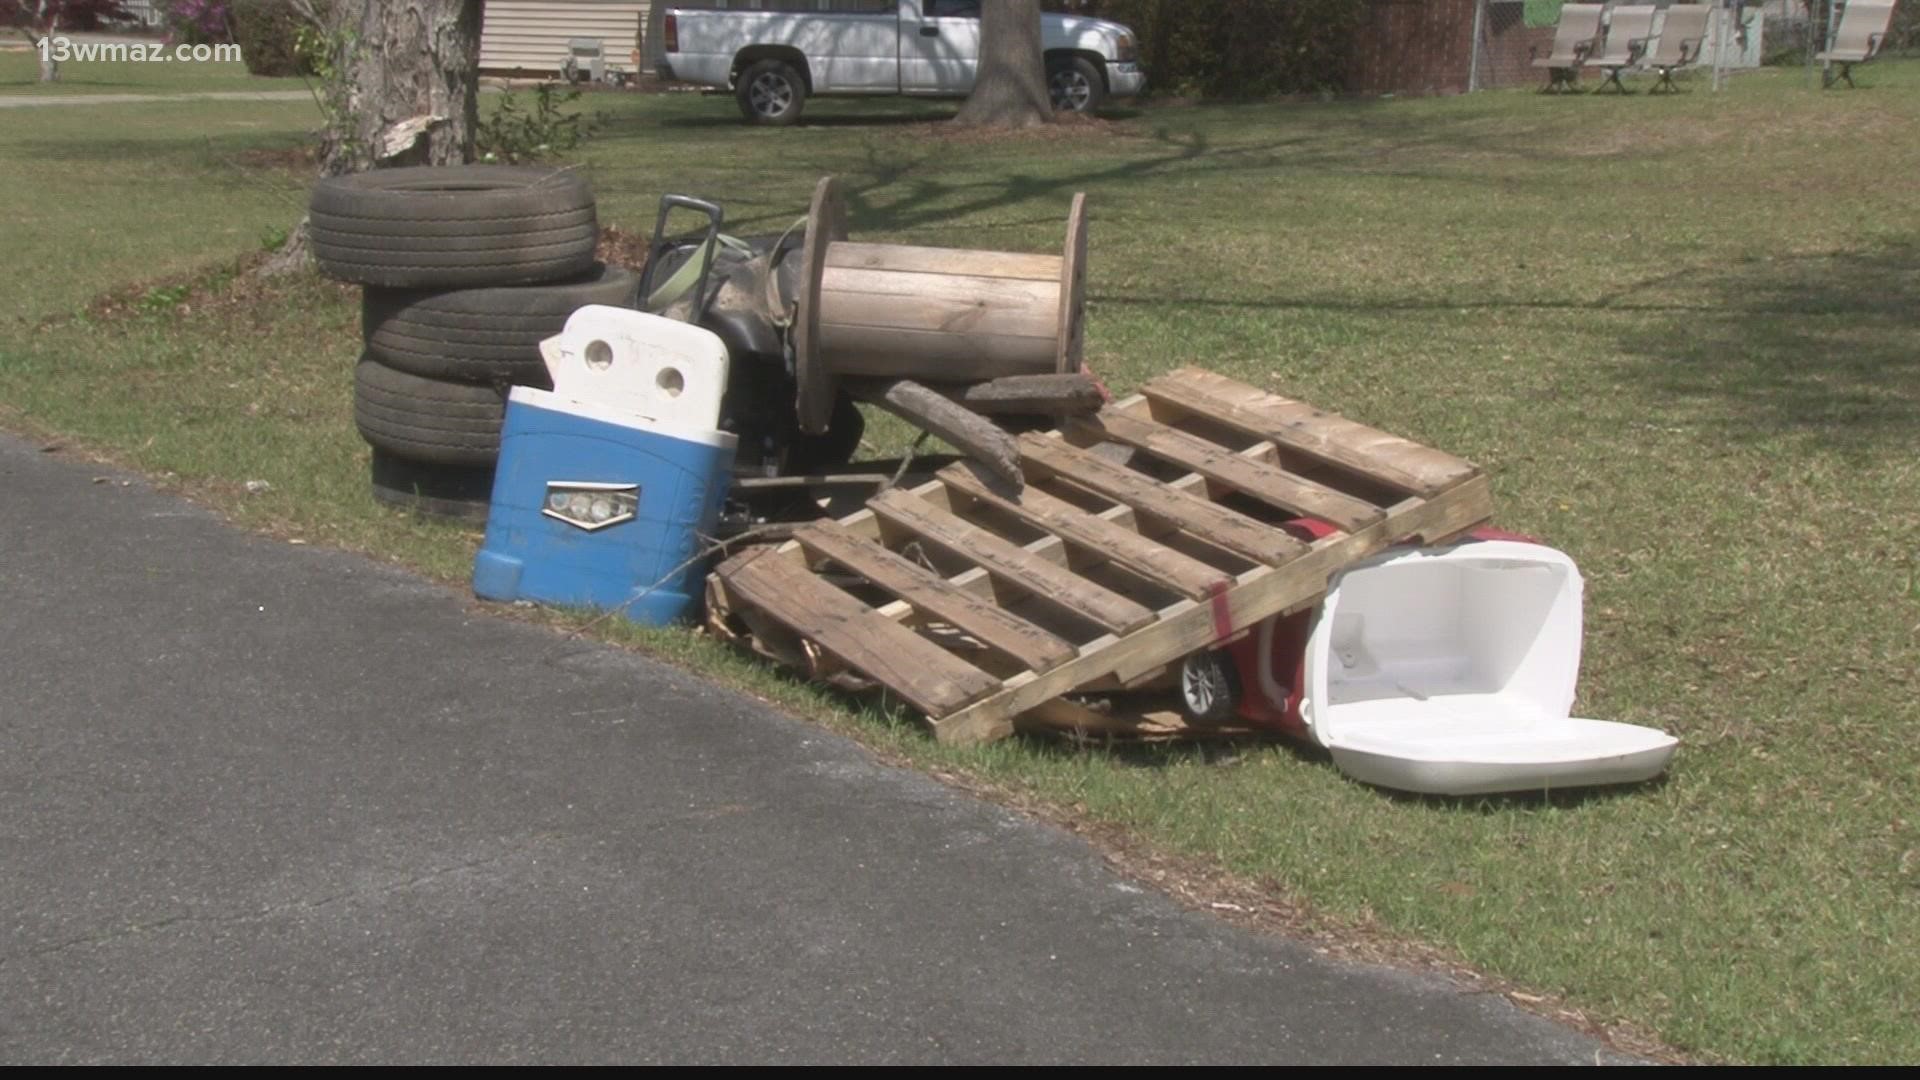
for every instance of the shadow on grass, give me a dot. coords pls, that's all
(912, 112)
(898, 184)
(1504, 802)
(1226, 752)
(730, 118)
(1824, 347)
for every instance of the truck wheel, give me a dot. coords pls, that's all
(1209, 686)
(771, 92)
(1075, 85)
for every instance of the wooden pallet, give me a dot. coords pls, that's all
(979, 605)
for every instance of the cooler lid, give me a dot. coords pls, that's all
(1452, 671)
(630, 361)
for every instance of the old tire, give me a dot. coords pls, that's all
(447, 492)
(441, 423)
(483, 335)
(771, 92)
(452, 227)
(1075, 85)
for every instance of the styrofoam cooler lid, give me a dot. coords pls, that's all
(625, 361)
(1452, 671)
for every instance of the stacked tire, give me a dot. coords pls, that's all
(465, 269)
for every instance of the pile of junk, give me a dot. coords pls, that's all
(1202, 557)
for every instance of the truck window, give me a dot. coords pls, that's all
(954, 9)
(837, 7)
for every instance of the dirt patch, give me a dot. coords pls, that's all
(238, 286)
(618, 247)
(302, 160)
(230, 287)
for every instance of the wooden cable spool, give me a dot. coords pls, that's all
(943, 315)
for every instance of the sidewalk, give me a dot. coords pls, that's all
(8, 101)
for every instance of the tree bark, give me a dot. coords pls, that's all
(412, 68)
(1029, 395)
(48, 23)
(966, 431)
(1162, 24)
(653, 46)
(1010, 90)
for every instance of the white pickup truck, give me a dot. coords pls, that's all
(775, 57)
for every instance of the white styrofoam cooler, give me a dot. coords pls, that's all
(1452, 671)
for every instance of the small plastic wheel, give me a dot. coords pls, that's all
(1209, 686)
(771, 92)
(1075, 85)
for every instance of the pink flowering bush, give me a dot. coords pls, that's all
(198, 21)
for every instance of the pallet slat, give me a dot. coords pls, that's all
(1275, 487)
(1264, 592)
(1398, 463)
(927, 676)
(1234, 531)
(780, 594)
(1011, 563)
(1183, 574)
(933, 595)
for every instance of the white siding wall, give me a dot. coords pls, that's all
(532, 35)
(144, 12)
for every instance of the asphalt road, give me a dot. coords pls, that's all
(268, 803)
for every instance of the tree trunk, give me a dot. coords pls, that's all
(653, 45)
(1011, 89)
(411, 75)
(49, 66)
(1162, 30)
(412, 68)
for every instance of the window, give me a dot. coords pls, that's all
(954, 9)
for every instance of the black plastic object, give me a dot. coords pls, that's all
(658, 256)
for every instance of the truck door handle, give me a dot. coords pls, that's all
(929, 31)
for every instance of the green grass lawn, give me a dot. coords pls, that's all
(20, 74)
(1682, 333)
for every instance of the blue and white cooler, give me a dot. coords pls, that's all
(606, 484)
